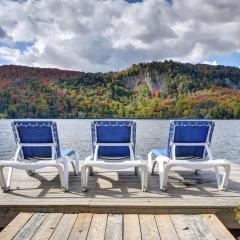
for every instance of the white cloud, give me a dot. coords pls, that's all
(113, 34)
(10, 54)
(214, 63)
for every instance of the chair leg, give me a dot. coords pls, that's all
(9, 177)
(90, 169)
(66, 176)
(163, 175)
(3, 182)
(75, 163)
(84, 177)
(61, 175)
(150, 162)
(154, 164)
(145, 179)
(225, 178)
(143, 170)
(136, 170)
(218, 177)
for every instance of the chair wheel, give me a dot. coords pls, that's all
(163, 189)
(197, 171)
(4, 190)
(30, 173)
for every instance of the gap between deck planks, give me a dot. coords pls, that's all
(46, 226)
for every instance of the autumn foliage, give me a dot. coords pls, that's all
(170, 90)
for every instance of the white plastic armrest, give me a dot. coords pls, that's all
(88, 158)
(163, 159)
(61, 159)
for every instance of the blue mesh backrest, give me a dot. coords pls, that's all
(36, 132)
(113, 132)
(190, 131)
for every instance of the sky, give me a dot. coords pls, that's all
(110, 35)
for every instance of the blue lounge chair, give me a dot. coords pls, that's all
(113, 146)
(38, 147)
(189, 147)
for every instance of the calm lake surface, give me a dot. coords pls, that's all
(150, 133)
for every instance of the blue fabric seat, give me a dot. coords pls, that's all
(190, 131)
(113, 132)
(38, 132)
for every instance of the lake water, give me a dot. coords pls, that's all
(150, 133)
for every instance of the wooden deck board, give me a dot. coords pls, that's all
(31, 227)
(148, 227)
(131, 227)
(183, 228)
(81, 226)
(216, 227)
(64, 227)
(117, 226)
(200, 229)
(15, 226)
(165, 226)
(122, 189)
(114, 227)
(46, 229)
(98, 227)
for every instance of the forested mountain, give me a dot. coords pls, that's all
(146, 90)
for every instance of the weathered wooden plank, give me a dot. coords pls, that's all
(98, 226)
(183, 227)
(64, 227)
(131, 227)
(166, 228)
(31, 227)
(216, 227)
(81, 226)
(148, 227)
(200, 229)
(114, 227)
(15, 226)
(102, 226)
(46, 229)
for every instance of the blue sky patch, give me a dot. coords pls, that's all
(22, 46)
(227, 60)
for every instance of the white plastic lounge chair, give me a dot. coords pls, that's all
(113, 144)
(188, 147)
(38, 147)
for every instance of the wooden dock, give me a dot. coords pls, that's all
(120, 192)
(55, 226)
